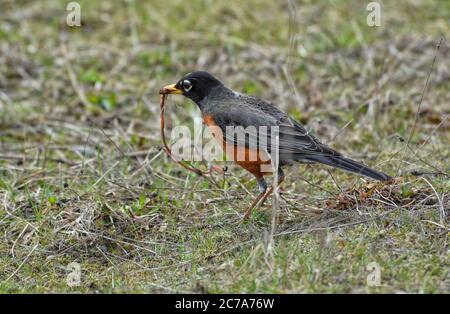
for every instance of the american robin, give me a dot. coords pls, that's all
(223, 108)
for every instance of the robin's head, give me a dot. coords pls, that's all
(195, 86)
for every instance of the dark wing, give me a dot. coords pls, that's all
(258, 120)
(253, 123)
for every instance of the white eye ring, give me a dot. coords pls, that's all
(187, 85)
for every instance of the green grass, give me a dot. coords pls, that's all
(83, 179)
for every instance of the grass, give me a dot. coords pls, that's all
(83, 178)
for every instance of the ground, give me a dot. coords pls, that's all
(84, 184)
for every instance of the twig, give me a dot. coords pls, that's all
(73, 79)
(438, 46)
(441, 206)
(439, 171)
(23, 262)
(25, 158)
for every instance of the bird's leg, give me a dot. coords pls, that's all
(262, 186)
(280, 180)
(264, 193)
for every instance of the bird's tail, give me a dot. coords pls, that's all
(341, 162)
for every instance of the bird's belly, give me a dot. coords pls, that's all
(255, 161)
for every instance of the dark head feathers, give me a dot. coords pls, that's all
(198, 84)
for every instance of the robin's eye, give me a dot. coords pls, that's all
(187, 85)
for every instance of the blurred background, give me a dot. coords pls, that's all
(83, 176)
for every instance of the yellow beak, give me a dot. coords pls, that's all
(170, 89)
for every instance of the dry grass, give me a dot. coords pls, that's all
(83, 177)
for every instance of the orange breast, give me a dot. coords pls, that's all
(250, 159)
